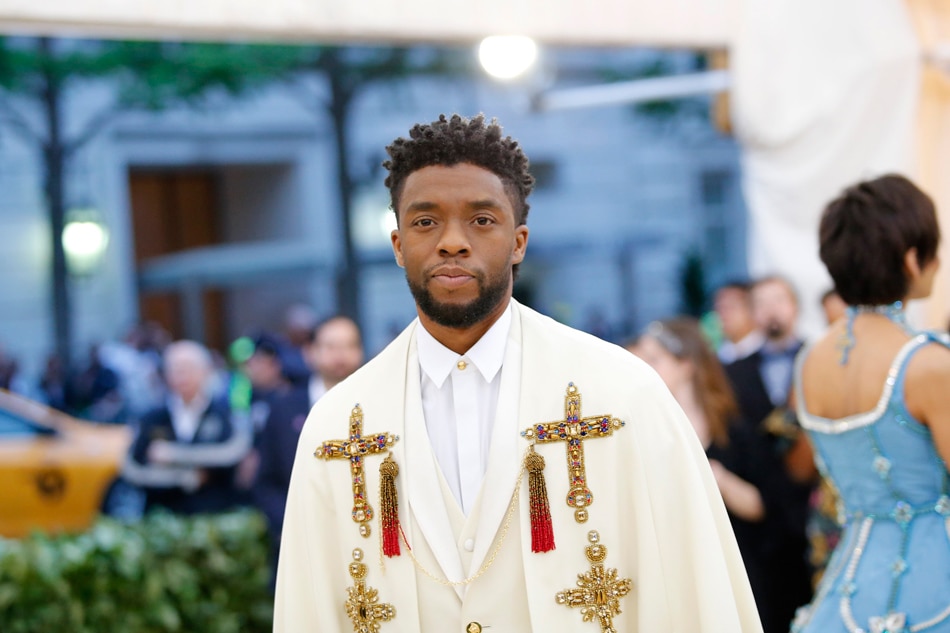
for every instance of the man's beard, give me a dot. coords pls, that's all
(460, 316)
(774, 330)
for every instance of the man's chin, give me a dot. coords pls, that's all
(457, 317)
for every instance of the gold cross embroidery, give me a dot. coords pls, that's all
(598, 591)
(362, 602)
(574, 429)
(354, 449)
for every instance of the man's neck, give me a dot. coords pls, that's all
(460, 340)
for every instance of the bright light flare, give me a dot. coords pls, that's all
(507, 56)
(84, 243)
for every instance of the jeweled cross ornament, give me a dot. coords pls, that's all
(574, 429)
(362, 602)
(598, 591)
(355, 449)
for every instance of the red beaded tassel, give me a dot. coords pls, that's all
(389, 506)
(542, 530)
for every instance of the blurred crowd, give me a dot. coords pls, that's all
(213, 431)
(737, 394)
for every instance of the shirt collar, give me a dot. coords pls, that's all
(316, 388)
(487, 354)
(196, 407)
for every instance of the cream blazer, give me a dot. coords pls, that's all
(656, 506)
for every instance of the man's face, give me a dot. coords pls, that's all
(263, 370)
(774, 309)
(457, 240)
(186, 376)
(336, 352)
(735, 313)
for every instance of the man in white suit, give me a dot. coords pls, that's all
(418, 502)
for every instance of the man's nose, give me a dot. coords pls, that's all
(454, 239)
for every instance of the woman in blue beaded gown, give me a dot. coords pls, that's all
(874, 398)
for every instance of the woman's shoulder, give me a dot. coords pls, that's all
(931, 364)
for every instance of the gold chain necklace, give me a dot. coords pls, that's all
(491, 559)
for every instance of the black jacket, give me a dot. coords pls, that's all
(216, 491)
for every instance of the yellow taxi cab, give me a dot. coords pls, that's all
(55, 470)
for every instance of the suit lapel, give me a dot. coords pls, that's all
(422, 479)
(504, 457)
(402, 590)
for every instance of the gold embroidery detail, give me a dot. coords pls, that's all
(362, 602)
(598, 591)
(573, 430)
(354, 449)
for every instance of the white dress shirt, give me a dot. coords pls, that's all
(459, 402)
(186, 417)
(316, 388)
(730, 352)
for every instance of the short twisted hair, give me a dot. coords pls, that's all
(455, 140)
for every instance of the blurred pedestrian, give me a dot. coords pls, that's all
(299, 321)
(184, 453)
(95, 392)
(52, 383)
(334, 351)
(762, 383)
(680, 354)
(732, 303)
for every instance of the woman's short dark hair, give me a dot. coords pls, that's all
(867, 231)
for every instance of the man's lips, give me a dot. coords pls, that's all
(452, 277)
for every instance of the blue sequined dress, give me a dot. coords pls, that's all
(891, 570)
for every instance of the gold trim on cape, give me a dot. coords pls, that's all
(599, 590)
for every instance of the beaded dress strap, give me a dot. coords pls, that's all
(829, 426)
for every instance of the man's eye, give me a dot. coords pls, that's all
(483, 221)
(424, 222)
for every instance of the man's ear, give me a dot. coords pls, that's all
(397, 247)
(521, 244)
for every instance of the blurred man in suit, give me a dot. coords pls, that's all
(733, 306)
(762, 382)
(335, 351)
(184, 453)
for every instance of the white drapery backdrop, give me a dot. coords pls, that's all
(824, 94)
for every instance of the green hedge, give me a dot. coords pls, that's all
(199, 574)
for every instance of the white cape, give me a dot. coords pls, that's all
(656, 506)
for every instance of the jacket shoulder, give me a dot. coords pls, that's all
(380, 370)
(580, 346)
(579, 356)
